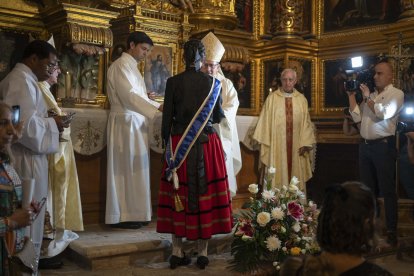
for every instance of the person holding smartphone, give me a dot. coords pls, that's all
(13, 218)
(63, 185)
(40, 135)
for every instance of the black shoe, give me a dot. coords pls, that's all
(177, 261)
(50, 263)
(127, 225)
(392, 238)
(202, 262)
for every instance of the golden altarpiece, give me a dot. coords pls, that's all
(316, 38)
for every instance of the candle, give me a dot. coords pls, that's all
(68, 84)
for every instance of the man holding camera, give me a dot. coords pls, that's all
(378, 114)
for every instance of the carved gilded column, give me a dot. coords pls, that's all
(287, 18)
(83, 38)
(407, 7)
(210, 14)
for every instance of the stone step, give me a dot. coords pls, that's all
(100, 247)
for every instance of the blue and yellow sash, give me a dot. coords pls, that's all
(191, 134)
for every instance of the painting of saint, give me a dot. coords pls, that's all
(345, 14)
(303, 68)
(158, 68)
(11, 48)
(272, 69)
(244, 13)
(240, 75)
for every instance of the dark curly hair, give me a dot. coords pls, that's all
(190, 52)
(346, 221)
(42, 49)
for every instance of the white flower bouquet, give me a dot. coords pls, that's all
(275, 224)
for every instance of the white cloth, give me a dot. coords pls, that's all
(227, 130)
(40, 136)
(270, 133)
(88, 129)
(62, 239)
(383, 122)
(128, 175)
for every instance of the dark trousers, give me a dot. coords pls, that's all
(406, 171)
(377, 171)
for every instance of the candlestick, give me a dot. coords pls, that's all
(68, 84)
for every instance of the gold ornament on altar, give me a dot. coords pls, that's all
(214, 48)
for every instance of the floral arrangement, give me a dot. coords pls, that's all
(274, 225)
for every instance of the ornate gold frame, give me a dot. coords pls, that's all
(312, 78)
(262, 74)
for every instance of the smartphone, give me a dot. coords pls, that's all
(15, 114)
(68, 117)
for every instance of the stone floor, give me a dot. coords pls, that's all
(111, 252)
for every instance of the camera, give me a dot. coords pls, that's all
(15, 114)
(404, 127)
(357, 77)
(406, 120)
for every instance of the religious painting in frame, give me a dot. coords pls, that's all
(244, 13)
(335, 73)
(406, 76)
(158, 68)
(241, 76)
(272, 69)
(12, 45)
(344, 14)
(303, 68)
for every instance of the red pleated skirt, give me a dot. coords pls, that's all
(214, 215)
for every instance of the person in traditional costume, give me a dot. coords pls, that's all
(227, 129)
(285, 133)
(128, 198)
(194, 200)
(13, 218)
(63, 202)
(40, 135)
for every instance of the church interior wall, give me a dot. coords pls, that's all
(256, 44)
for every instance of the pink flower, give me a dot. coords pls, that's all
(295, 210)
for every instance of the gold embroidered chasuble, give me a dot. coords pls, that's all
(283, 127)
(63, 178)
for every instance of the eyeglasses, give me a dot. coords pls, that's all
(52, 66)
(211, 65)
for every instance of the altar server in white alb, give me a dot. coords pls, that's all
(128, 200)
(227, 129)
(40, 132)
